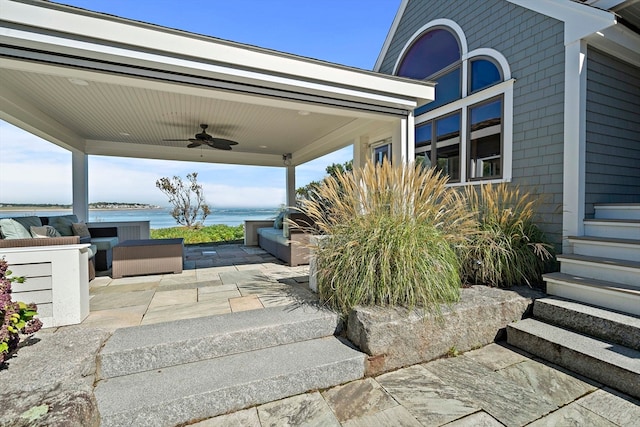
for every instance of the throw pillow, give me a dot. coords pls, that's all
(278, 221)
(80, 229)
(63, 223)
(12, 229)
(44, 231)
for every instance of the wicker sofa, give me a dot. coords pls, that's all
(102, 240)
(290, 244)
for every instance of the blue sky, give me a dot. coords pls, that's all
(349, 32)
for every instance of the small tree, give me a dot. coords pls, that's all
(187, 199)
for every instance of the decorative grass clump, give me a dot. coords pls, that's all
(389, 236)
(509, 248)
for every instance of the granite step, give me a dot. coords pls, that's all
(611, 364)
(182, 394)
(157, 346)
(597, 322)
(610, 295)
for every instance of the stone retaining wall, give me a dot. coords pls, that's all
(394, 337)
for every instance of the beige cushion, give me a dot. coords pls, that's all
(44, 231)
(80, 229)
(12, 229)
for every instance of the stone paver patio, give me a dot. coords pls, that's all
(492, 386)
(217, 279)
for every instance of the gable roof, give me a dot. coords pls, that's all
(583, 19)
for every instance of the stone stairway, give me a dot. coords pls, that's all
(600, 344)
(602, 267)
(173, 373)
(591, 324)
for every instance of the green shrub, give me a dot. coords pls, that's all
(212, 233)
(509, 248)
(389, 237)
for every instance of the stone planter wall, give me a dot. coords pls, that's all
(394, 337)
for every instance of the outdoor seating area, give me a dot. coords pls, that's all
(280, 239)
(216, 279)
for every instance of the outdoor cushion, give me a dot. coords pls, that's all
(28, 221)
(273, 234)
(104, 243)
(44, 231)
(12, 229)
(80, 229)
(92, 251)
(278, 221)
(63, 224)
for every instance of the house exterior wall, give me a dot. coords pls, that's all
(612, 131)
(533, 44)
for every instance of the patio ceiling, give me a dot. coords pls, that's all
(103, 85)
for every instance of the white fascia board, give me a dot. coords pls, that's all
(390, 35)
(618, 41)
(239, 61)
(605, 4)
(580, 20)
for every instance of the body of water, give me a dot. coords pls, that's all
(158, 218)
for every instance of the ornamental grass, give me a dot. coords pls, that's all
(509, 248)
(390, 237)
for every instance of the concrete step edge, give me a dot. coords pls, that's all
(601, 261)
(199, 390)
(610, 241)
(586, 281)
(619, 328)
(610, 364)
(157, 346)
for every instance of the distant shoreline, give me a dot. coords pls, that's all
(53, 208)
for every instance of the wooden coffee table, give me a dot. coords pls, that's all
(147, 256)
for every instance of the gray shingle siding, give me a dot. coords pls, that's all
(533, 44)
(613, 131)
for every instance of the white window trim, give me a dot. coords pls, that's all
(506, 90)
(449, 24)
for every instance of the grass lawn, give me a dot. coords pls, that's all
(212, 233)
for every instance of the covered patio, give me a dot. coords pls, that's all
(101, 85)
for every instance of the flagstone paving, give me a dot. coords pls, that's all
(217, 279)
(492, 386)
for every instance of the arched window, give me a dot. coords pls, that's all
(467, 130)
(435, 56)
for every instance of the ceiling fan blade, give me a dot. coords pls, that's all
(194, 144)
(219, 145)
(223, 141)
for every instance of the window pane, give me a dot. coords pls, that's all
(423, 135)
(382, 152)
(432, 52)
(448, 146)
(484, 73)
(485, 140)
(447, 89)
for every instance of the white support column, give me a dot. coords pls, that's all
(411, 138)
(80, 177)
(361, 152)
(575, 107)
(401, 139)
(291, 186)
